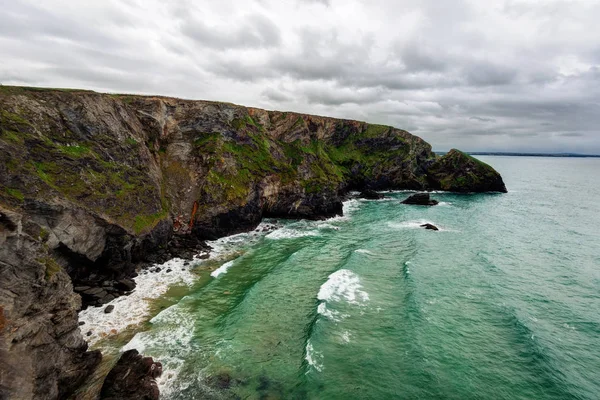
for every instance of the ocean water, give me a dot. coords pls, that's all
(502, 303)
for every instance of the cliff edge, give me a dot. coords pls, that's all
(91, 184)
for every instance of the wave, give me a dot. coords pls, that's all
(343, 285)
(222, 269)
(312, 357)
(170, 341)
(289, 233)
(364, 251)
(135, 308)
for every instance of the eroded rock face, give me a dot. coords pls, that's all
(133, 378)
(100, 183)
(42, 350)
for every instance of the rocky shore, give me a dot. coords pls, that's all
(94, 186)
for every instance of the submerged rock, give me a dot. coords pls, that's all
(109, 309)
(133, 377)
(420, 199)
(370, 195)
(430, 226)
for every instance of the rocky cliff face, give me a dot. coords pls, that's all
(105, 181)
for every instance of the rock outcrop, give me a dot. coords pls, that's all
(93, 184)
(370, 195)
(132, 378)
(420, 199)
(459, 172)
(430, 227)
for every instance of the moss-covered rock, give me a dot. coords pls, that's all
(460, 172)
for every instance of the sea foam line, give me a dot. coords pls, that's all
(134, 308)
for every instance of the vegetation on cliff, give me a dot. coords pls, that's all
(91, 183)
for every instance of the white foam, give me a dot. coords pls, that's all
(222, 269)
(172, 335)
(333, 315)
(346, 336)
(289, 233)
(343, 285)
(364, 251)
(134, 308)
(313, 357)
(349, 206)
(444, 203)
(416, 224)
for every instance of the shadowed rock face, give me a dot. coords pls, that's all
(108, 181)
(42, 352)
(132, 378)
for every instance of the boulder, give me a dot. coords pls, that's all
(133, 377)
(431, 227)
(370, 195)
(126, 285)
(420, 199)
(109, 309)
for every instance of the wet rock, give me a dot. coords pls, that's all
(81, 323)
(168, 270)
(157, 269)
(126, 285)
(109, 309)
(133, 377)
(430, 226)
(420, 199)
(370, 195)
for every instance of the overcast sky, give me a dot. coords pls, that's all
(477, 75)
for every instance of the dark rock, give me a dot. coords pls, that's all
(459, 172)
(429, 226)
(421, 199)
(133, 377)
(81, 323)
(109, 309)
(89, 333)
(370, 195)
(126, 285)
(157, 269)
(168, 270)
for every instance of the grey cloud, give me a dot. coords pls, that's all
(571, 134)
(275, 95)
(256, 31)
(489, 74)
(482, 119)
(417, 57)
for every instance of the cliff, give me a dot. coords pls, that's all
(91, 184)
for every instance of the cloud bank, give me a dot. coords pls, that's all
(509, 75)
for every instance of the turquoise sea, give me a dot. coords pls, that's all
(502, 303)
